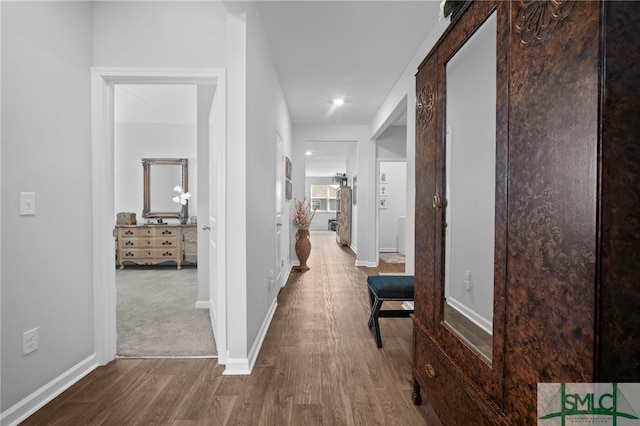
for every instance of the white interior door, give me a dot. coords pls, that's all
(216, 224)
(280, 217)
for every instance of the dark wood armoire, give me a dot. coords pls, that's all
(566, 268)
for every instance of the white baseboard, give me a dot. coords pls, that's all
(473, 316)
(367, 264)
(244, 366)
(388, 250)
(38, 399)
(285, 276)
(236, 367)
(203, 304)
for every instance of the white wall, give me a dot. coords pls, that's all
(391, 153)
(393, 143)
(396, 196)
(266, 113)
(136, 140)
(46, 133)
(159, 34)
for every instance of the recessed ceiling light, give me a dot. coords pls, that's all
(308, 153)
(338, 101)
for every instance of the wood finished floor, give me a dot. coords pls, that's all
(318, 365)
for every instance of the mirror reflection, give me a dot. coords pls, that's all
(161, 176)
(470, 188)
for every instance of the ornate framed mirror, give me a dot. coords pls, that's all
(160, 177)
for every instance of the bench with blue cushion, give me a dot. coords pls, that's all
(386, 288)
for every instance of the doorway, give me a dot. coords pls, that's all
(103, 82)
(156, 311)
(392, 202)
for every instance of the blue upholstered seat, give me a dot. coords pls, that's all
(392, 287)
(385, 288)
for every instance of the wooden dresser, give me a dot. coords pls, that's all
(343, 215)
(155, 244)
(566, 262)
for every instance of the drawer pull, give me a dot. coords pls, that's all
(431, 372)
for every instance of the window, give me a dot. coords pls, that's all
(323, 197)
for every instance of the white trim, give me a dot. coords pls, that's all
(38, 399)
(102, 85)
(471, 315)
(102, 164)
(388, 250)
(203, 304)
(285, 277)
(367, 264)
(244, 366)
(236, 366)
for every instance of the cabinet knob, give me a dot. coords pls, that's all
(431, 372)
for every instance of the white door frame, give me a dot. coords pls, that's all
(102, 188)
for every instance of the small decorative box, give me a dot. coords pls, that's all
(126, 218)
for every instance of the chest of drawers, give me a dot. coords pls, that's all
(155, 244)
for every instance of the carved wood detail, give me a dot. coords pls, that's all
(537, 20)
(425, 105)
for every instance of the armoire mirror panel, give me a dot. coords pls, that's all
(160, 177)
(470, 184)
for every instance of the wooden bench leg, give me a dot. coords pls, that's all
(373, 319)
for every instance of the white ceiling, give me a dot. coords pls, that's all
(321, 49)
(353, 49)
(327, 157)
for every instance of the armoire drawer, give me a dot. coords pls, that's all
(453, 405)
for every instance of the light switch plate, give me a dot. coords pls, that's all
(27, 203)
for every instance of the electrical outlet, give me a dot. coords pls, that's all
(468, 281)
(30, 341)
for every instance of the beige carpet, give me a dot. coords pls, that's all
(156, 314)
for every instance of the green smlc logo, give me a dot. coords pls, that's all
(589, 403)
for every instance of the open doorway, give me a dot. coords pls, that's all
(156, 315)
(392, 216)
(213, 296)
(391, 196)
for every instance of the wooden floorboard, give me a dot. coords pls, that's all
(318, 365)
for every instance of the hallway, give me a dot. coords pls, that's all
(318, 365)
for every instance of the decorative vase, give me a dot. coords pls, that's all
(303, 248)
(183, 217)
